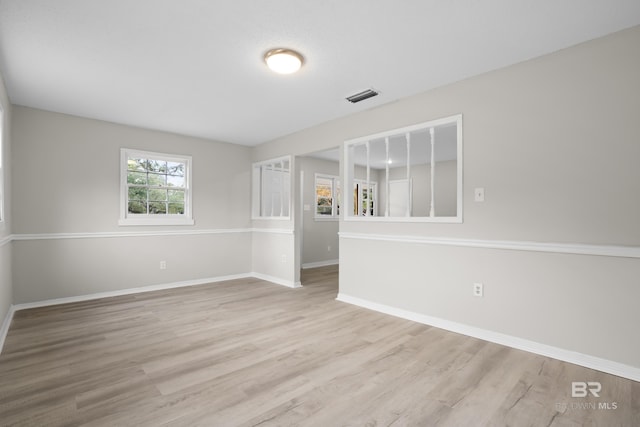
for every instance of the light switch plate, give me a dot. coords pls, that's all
(478, 194)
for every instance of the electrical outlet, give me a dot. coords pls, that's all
(284, 258)
(478, 289)
(163, 265)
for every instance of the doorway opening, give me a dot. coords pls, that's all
(319, 209)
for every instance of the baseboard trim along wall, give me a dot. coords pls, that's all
(320, 263)
(565, 248)
(4, 328)
(277, 280)
(576, 358)
(129, 291)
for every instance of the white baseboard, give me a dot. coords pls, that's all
(56, 301)
(151, 288)
(276, 280)
(320, 263)
(592, 362)
(129, 291)
(4, 328)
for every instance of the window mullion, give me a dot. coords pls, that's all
(408, 138)
(334, 203)
(432, 211)
(368, 187)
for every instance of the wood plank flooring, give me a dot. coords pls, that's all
(251, 353)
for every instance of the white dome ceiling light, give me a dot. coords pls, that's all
(283, 61)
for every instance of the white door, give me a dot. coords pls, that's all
(400, 197)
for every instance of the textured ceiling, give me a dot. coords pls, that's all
(195, 67)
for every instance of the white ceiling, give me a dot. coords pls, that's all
(195, 67)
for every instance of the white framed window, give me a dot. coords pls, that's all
(155, 188)
(327, 196)
(411, 174)
(365, 194)
(2, 218)
(271, 189)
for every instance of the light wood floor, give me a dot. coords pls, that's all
(247, 352)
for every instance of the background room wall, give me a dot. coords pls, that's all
(554, 142)
(6, 288)
(66, 209)
(320, 236)
(445, 186)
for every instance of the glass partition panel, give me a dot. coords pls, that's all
(408, 174)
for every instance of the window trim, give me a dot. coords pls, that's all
(348, 174)
(127, 219)
(335, 181)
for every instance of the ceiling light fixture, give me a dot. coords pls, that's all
(283, 61)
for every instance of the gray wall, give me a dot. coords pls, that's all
(317, 234)
(6, 289)
(554, 142)
(68, 182)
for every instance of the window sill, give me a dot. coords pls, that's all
(155, 221)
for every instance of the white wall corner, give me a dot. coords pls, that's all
(4, 329)
(276, 280)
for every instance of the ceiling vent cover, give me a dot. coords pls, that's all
(361, 96)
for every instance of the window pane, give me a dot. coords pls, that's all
(139, 178)
(136, 207)
(176, 208)
(157, 166)
(445, 171)
(138, 193)
(156, 179)
(176, 169)
(324, 197)
(175, 181)
(157, 208)
(157, 195)
(136, 165)
(324, 210)
(395, 197)
(420, 173)
(176, 196)
(154, 185)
